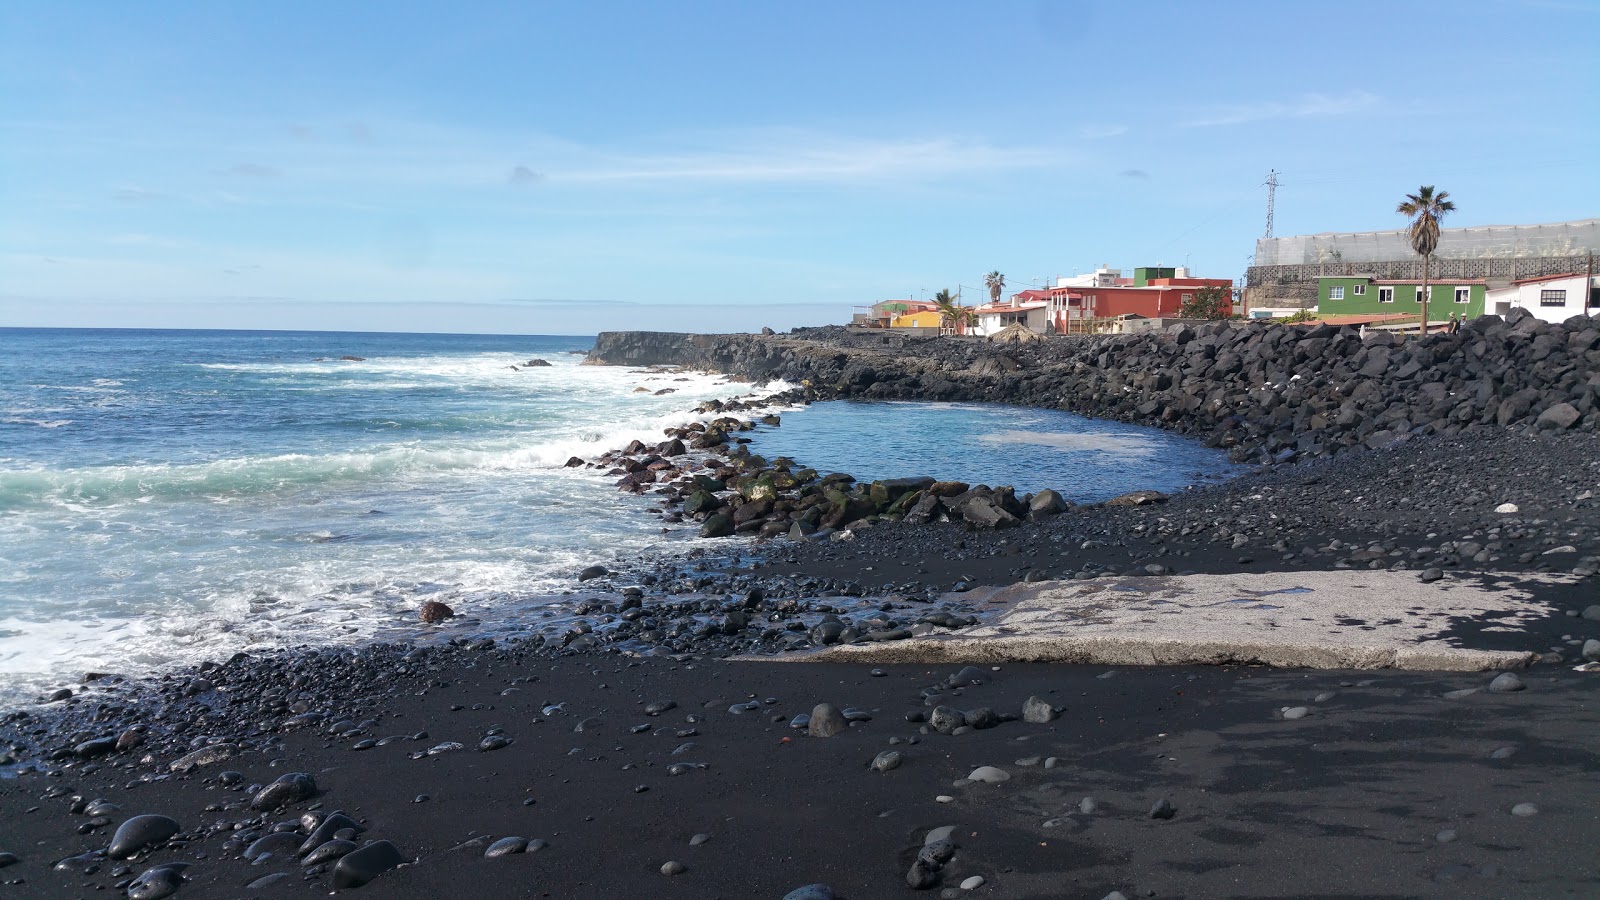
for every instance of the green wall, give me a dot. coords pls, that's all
(1143, 274)
(1441, 303)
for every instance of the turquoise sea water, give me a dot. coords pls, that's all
(1086, 460)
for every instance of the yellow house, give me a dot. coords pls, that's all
(928, 319)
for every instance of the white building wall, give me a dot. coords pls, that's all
(1530, 297)
(993, 323)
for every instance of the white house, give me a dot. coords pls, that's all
(1553, 298)
(992, 317)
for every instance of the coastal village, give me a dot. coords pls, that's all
(1373, 280)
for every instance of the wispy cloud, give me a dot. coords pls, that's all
(524, 175)
(1097, 132)
(813, 158)
(1307, 106)
(132, 193)
(1134, 173)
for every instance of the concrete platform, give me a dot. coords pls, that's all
(1317, 620)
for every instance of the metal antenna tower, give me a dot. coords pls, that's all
(1272, 197)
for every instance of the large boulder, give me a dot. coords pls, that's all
(1044, 504)
(1560, 416)
(719, 524)
(985, 512)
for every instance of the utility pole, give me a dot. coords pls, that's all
(1272, 197)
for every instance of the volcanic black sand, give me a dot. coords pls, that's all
(1277, 783)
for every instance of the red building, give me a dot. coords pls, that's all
(1160, 298)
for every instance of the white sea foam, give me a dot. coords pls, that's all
(133, 567)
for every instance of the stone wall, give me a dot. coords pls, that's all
(1278, 278)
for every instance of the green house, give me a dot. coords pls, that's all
(1364, 295)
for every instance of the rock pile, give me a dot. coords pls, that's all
(1268, 392)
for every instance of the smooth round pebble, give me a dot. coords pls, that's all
(1296, 712)
(989, 775)
(699, 839)
(1524, 809)
(973, 883)
(673, 867)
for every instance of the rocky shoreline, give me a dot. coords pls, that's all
(620, 752)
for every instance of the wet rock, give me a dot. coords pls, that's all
(433, 612)
(290, 788)
(205, 756)
(359, 867)
(326, 829)
(140, 833)
(888, 760)
(278, 843)
(328, 852)
(593, 572)
(1138, 498)
(161, 881)
(506, 846)
(493, 742)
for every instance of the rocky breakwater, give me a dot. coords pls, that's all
(704, 472)
(1266, 392)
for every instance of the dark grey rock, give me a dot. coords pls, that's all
(359, 867)
(817, 891)
(506, 846)
(1506, 682)
(160, 881)
(328, 852)
(1163, 809)
(887, 761)
(289, 788)
(826, 721)
(140, 833)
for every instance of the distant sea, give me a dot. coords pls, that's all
(168, 497)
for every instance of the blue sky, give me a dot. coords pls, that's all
(573, 167)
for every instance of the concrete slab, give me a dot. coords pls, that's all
(1318, 620)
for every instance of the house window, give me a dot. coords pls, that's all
(1336, 293)
(1185, 297)
(1359, 290)
(1416, 294)
(1386, 295)
(1463, 295)
(1553, 298)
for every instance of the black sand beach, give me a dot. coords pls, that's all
(1276, 783)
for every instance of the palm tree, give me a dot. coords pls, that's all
(1425, 209)
(997, 285)
(950, 315)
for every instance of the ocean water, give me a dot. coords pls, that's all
(173, 496)
(1086, 460)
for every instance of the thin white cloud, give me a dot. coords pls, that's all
(1307, 106)
(1097, 132)
(812, 159)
